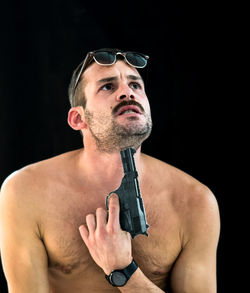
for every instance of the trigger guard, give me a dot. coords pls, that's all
(106, 200)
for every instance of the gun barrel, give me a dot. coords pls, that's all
(128, 160)
(132, 212)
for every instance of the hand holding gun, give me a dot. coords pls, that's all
(132, 213)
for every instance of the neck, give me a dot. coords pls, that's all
(104, 170)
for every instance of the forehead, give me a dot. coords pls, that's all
(120, 69)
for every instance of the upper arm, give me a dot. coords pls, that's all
(195, 268)
(23, 254)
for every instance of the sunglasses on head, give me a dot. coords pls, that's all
(106, 58)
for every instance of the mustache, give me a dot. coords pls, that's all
(127, 103)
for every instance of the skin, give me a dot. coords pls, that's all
(54, 233)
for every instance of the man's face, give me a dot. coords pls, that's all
(117, 112)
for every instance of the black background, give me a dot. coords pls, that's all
(188, 84)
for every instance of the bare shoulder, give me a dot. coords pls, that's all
(28, 182)
(176, 179)
(192, 200)
(173, 177)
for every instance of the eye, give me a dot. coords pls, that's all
(107, 87)
(136, 85)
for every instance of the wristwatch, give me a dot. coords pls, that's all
(119, 278)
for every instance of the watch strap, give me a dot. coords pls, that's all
(130, 269)
(128, 272)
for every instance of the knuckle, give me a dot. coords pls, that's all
(100, 234)
(112, 209)
(91, 240)
(111, 230)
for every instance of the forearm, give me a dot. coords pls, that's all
(139, 283)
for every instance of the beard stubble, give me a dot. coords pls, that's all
(111, 136)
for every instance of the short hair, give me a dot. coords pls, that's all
(76, 97)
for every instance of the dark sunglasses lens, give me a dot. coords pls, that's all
(136, 59)
(104, 57)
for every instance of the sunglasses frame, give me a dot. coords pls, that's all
(91, 55)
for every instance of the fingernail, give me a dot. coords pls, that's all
(114, 196)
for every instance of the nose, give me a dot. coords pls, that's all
(124, 97)
(125, 93)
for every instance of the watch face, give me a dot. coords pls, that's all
(118, 279)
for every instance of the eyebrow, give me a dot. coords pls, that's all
(134, 77)
(115, 78)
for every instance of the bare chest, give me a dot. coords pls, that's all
(69, 257)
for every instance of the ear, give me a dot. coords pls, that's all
(76, 118)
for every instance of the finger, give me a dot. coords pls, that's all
(91, 223)
(114, 212)
(84, 233)
(101, 218)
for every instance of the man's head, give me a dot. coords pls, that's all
(108, 99)
(105, 57)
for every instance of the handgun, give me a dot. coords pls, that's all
(132, 212)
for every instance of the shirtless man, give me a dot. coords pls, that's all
(54, 232)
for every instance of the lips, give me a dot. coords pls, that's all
(130, 108)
